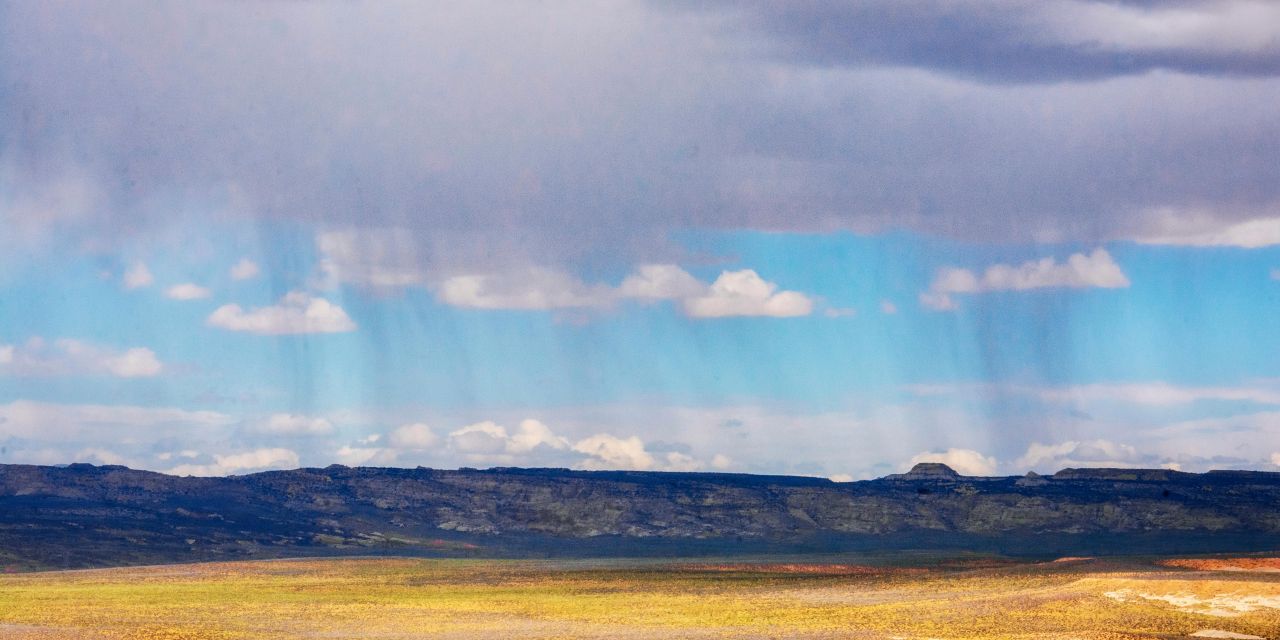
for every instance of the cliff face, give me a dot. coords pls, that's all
(84, 515)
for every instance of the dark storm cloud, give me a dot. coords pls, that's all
(541, 133)
(1020, 40)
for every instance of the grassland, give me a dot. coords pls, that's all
(467, 599)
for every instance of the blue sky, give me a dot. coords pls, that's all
(648, 235)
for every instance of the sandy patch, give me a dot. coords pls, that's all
(1223, 605)
(1216, 633)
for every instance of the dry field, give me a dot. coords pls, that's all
(466, 599)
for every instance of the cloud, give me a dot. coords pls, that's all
(138, 276)
(1049, 458)
(606, 451)
(375, 258)
(996, 145)
(965, 461)
(245, 269)
(66, 357)
(1018, 40)
(187, 291)
(414, 436)
(288, 424)
(532, 289)
(255, 460)
(661, 282)
(296, 313)
(841, 477)
(1080, 271)
(1203, 229)
(92, 422)
(720, 462)
(887, 307)
(734, 293)
(491, 438)
(1154, 393)
(1275, 458)
(745, 293)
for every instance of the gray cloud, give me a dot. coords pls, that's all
(541, 134)
(1018, 40)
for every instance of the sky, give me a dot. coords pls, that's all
(817, 238)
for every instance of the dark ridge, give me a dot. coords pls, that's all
(84, 515)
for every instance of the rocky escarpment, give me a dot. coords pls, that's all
(83, 515)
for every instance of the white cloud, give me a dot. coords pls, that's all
(138, 276)
(288, 424)
(745, 293)
(1203, 230)
(68, 422)
(415, 436)
(841, 477)
(1275, 458)
(605, 451)
(532, 434)
(255, 460)
(734, 293)
(532, 289)
(491, 438)
(1155, 393)
(721, 462)
(1080, 271)
(377, 258)
(937, 301)
(66, 356)
(296, 313)
(676, 461)
(187, 291)
(1049, 458)
(358, 456)
(661, 282)
(965, 461)
(888, 307)
(245, 269)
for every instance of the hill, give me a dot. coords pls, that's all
(85, 515)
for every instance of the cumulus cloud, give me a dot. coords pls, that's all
(1275, 458)
(965, 461)
(491, 438)
(296, 313)
(605, 451)
(1080, 271)
(745, 293)
(255, 460)
(661, 282)
(138, 276)
(734, 293)
(187, 291)
(414, 436)
(37, 357)
(1048, 458)
(245, 269)
(289, 424)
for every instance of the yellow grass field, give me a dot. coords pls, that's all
(468, 599)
